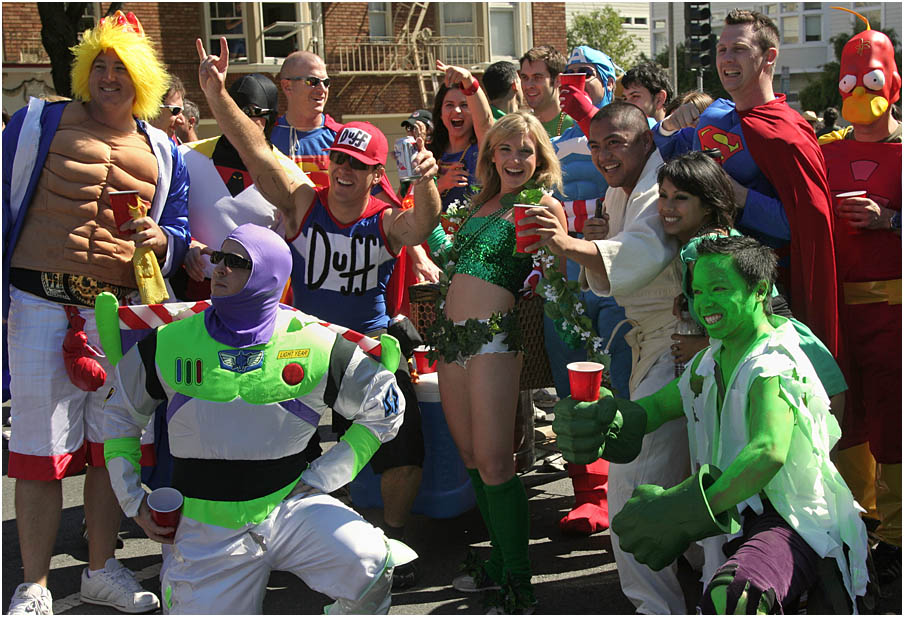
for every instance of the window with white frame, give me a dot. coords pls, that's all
(459, 19)
(812, 28)
(503, 30)
(225, 19)
(379, 16)
(791, 29)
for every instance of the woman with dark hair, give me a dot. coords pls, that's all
(454, 144)
(696, 200)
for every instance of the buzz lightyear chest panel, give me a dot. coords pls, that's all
(194, 365)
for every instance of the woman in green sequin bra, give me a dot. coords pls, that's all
(480, 391)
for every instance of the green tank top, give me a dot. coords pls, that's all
(487, 251)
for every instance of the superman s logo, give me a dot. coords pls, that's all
(728, 144)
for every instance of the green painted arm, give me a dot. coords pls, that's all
(770, 421)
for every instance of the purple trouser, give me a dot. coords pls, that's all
(769, 561)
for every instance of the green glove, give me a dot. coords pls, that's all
(609, 428)
(657, 525)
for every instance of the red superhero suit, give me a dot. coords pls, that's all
(869, 274)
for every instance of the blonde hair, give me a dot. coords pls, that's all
(548, 173)
(137, 54)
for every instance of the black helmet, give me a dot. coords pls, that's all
(257, 96)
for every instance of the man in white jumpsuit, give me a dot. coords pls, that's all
(634, 263)
(246, 382)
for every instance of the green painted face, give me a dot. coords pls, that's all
(728, 309)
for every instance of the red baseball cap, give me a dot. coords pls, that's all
(363, 141)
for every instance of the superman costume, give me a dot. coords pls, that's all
(770, 150)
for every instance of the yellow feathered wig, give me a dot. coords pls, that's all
(124, 35)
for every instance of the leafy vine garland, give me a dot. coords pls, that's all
(563, 303)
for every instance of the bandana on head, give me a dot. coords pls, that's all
(605, 67)
(869, 81)
(248, 317)
(123, 34)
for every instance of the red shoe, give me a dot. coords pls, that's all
(591, 510)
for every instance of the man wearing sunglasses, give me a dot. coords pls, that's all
(170, 119)
(246, 382)
(344, 243)
(223, 194)
(305, 130)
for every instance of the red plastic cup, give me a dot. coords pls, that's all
(421, 363)
(121, 201)
(585, 379)
(573, 79)
(841, 197)
(524, 242)
(166, 506)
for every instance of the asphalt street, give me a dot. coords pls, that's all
(572, 575)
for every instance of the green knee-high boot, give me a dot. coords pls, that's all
(494, 565)
(507, 506)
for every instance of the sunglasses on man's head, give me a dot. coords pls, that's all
(174, 109)
(253, 111)
(232, 261)
(311, 81)
(340, 157)
(586, 70)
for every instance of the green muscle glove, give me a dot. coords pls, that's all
(609, 428)
(657, 525)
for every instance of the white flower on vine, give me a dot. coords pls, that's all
(579, 308)
(549, 294)
(577, 329)
(597, 343)
(585, 336)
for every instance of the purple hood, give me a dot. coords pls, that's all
(248, 317)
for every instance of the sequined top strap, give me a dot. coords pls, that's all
(488, 252)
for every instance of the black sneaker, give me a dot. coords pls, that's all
(887, 558)
(404, 577)
(511, 599)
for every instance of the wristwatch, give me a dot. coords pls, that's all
(895, 221)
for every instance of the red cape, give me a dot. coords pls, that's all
(784, 148)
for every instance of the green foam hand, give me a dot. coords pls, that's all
(657, 525)
(610, 428)
(580, 427)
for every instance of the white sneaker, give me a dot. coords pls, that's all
(116, 586)
(31, 599)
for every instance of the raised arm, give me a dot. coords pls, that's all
(414, 225)
(478, 103)
(289, 195)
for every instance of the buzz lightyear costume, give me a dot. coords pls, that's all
(246, 382)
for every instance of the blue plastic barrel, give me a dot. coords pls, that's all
(446, 490)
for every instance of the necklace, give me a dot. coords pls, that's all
(561, 120)
(458, 246)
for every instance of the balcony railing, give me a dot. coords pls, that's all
(353, 56)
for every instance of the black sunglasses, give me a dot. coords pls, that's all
(174, 109)
(253, 111)
(586, 70)
(232, 261)
(311, 81)
(340, 157)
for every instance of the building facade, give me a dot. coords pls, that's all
(381, 56)
(806, 29)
